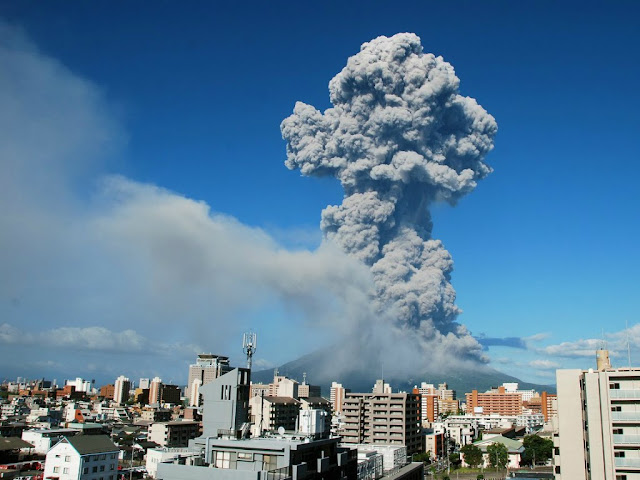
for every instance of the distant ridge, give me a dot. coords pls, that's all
(479, 378)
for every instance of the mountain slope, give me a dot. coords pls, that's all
(462, 379)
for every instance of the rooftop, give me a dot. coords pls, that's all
(87, 444)
(13, 443)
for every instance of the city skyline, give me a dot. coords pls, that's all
(161, 222)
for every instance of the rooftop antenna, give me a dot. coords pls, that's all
(249, 345)
(304, 378)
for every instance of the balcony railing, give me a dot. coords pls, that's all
(626, 439)
(627, 462)
(624, 393)
(626, 416)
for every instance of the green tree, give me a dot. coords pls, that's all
(472, 455)
(422, 457)
(498, 455)
(454, 460)
(536, 449)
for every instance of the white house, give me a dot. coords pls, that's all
(43, 439)
(83, 457)
(514, 451)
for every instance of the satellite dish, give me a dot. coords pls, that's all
(281, 430)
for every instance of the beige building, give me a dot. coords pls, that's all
(173, 434)
(270, 413)
(382, 418)
(207, 368)
(598, 424)
(497, 401)
(336, 396)
(154, 390)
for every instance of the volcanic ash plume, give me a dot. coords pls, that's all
(399, 137)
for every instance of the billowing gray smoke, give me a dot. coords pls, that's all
(399, 137)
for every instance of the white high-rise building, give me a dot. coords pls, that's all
(121, 389)
(80, 385)
(598, 424)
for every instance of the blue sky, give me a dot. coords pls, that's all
(544, 248)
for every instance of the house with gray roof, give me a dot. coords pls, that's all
(82, 457)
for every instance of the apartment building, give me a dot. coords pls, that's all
(382, 418)
(336, 396)
(173, 434)
(496, 401)
(107, 391)
(598, 424)
(121, 389)
(270, 413)
(549, 406)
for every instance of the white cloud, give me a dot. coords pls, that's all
(91, 339)
(537, 337)
(544, 364)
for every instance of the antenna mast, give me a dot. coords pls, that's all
(249, 346)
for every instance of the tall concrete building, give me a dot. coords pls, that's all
(497, 401)
(382, 417)
(549, 406)
(154, 390)
(121, 389)
(207, 368)
(226, 403)
(337, 396)
(598, 424)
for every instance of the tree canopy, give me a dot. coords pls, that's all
(472, 455)
(498, 455)
(536, 449)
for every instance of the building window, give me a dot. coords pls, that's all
(102, 468)
(245, 456)
(614, 386)
(616, 408)
(621, 477)
(85, 470)
(67, 458)
(111, 466)
(94, 470)
(65, 470)
(222, 459)
(618, 454)
(618, 431)
(56, 469)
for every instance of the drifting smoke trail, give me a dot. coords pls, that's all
(399, 137)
